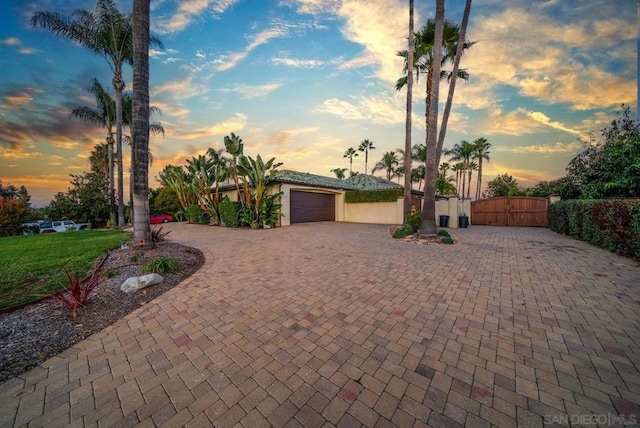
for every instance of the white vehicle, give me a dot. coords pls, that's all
(64, 225)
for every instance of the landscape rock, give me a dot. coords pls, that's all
(136, 283)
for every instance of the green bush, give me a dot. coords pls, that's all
(161, 265)
(403, 232)
(444, 233)
(230, 212)
(359, 196)
(194, 214)
(447, 240)
(610, 224)
(414, 221)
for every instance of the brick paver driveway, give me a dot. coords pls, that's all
(338, 324)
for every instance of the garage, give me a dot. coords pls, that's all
(311, 206)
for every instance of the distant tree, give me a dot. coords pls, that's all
(163, 176)
(388, 163)
(366, 146)
(235, 148)
(339, 172)
(481, 153)
(14, 209)
(164, 200)
(351, 153)
(463, 152)
(503, 185)
(408, 179)
(611, 167)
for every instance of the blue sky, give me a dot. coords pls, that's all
(303, 80)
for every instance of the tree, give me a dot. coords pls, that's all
(428, 226)
(351, 153)
(235, 148)
(388, 163)
(610, 168)
(408, 178)
(481, 153)
(14, 209)
(260, 208)
(140, 122)
(366, 146)
(103, 115)
(339, 172)
(108, 33)
(502, 185)
(463, 152)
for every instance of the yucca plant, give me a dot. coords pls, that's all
(161, 265)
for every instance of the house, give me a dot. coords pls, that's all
(310, 197)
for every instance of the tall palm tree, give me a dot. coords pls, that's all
(408, 178)
(454, 74)
(428, 226)
(423, 57)
(389, 163)
(366, 146)
(108, 33)
(339, 172)
(472, 166)
(351, 153)
(103, 115)
(140, 124)
(482, 147)
(463, 152)
(458, 168)
(235, 148)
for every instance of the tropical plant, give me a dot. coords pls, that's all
(201, 169)
(366, 146)
(259, 208)
(481, 153)
(78, 291)
(339, 172)
(388, 163)
(108, 33)
(351, 153)
(103, 115)
(444, 184)
(235, 148)
(158, 235)
(463, 152)
(179, 180)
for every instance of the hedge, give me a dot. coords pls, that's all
(610, 224)
(358, 196)
(230, 212)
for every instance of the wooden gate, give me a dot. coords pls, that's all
(510, 211)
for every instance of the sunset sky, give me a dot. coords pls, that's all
(303, 80)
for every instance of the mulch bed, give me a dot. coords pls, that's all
(31, 334)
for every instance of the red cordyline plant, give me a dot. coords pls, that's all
(79, 291)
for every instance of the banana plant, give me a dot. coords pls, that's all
(235, 148)
(260, 208)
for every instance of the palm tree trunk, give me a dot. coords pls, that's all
(428, 226)
(118, 85)
(479, 178)
(407, 129)
(112, 192)
(452, 82)
(140, 125)
(469, 184)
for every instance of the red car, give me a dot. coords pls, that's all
(160, 218)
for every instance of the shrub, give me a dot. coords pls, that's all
(358, 196)
(447, 240)
(413, 221)
(194, 214)
(78, 290)
(403, 232)
(444, 233)
(230, 212)
(161, 265)
(610, 224)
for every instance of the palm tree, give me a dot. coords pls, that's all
(103, 115)
(339, 172)
(366, 146)
(461, 46)
(389, 163)
(408, 178)
(140, 122)
(235, 148)
(458, 168)
(482, 147)
(472, 166)
(108, 33)
(351, 153)
(423, 56)
(462, 152)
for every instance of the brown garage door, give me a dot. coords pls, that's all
(309, 206)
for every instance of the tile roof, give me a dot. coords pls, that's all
(356, 182)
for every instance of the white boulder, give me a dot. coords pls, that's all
(136, 283)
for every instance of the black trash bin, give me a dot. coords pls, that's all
(444, 221)
(463, 221)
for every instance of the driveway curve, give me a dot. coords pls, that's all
(334, 324)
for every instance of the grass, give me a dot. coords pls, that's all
(33, 266)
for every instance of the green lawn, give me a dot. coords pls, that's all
(32, 266)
